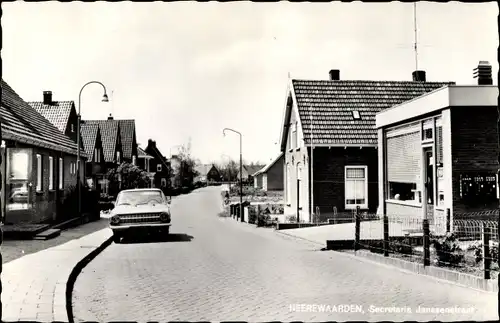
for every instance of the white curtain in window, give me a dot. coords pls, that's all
(355, 185)
(61, 168)
(51, 173)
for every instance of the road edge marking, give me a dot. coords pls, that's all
(70, 284)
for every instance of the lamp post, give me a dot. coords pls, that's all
(241, 169)
(104, 99)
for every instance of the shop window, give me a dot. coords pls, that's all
(18, 186)
(356, 187)
(404, 192)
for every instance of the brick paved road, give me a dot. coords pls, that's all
(230, 270)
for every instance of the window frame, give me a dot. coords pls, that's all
(39, 173)
(158, 167)
(365, 179)
(61, 173)
(51, 173)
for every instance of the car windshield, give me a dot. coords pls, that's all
(139, 198)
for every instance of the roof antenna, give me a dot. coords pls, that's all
(415, 27)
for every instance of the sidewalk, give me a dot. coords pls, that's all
(34, 286)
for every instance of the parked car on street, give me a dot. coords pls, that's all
(140, 209)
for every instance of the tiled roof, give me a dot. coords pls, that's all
(109, 135)
(142, 154)
(57, 113)
(266, 168)
(127, 133)
(89, 137)
(333, 102)
(203, 169)
(253, 169)
(20, 122)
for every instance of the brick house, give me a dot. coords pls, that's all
(128, 140)
(40, 163)
(160, 165)
(143, 162)
(336, 118)
(438, 154)
(111, 147)
(95, 167)
(270, 177)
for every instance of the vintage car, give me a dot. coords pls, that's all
(137, 209)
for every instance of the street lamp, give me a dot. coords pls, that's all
(241, 169)
(104, 99)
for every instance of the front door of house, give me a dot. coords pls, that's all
(429, 183)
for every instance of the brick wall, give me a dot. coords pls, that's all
(329, 176)
(474, 148)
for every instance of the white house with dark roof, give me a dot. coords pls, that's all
(270, 177)
(144, 162)
(336, 119)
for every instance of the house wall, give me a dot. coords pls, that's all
(474, 150)
(41, 206)
(72, 120)
(274, 176)
(292, 158)
(329, 176)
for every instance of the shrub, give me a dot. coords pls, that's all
(402, 247)
(478, 252)
(69, 205)
(252, 215)
(291, 218)
(448, 250)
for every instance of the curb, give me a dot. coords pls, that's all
(76, 271)
(440, 274)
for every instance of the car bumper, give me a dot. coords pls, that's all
(131, 226)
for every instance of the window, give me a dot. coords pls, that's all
(288, 185)
(118, 159)
(294, 135)
(299, 185)
(163, 182)
(404, 192)
(51, 173)
(356, 187)
(134, 160)
(158, 168)
(39, 175)
(355, 115)
(439, 164)
(427, 130)
(97, 155)
(72, 128)
(61, 173)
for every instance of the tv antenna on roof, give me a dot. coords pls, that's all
(415, 27)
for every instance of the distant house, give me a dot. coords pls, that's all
(343, 139)
(248, 171)
(160, 165)
(270, 177)
(128, 140)
(207, 173)
(40, 162)
(95, 167)
(112, 147)
(438, 154)
(143, 161)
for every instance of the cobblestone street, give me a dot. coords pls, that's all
(219, 269)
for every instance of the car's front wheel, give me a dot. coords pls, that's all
(116, 238)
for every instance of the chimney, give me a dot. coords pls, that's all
(47, 97)
(418, 76)
(483, 73)
(334, 75)
(151, 143)
(110, 117)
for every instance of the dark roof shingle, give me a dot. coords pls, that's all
(20, 122)
(127, 134)
(109, 135)
(57, 113)
(89, 137)
(332, 102)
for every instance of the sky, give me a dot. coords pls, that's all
(186, 70)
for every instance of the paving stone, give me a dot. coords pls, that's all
(231, 270)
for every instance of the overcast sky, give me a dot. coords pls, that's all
(187, 70)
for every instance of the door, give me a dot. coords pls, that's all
(429, 184)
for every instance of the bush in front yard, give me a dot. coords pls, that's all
(402, 247)
(291, 218)
(448, 251)
(477, 248)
